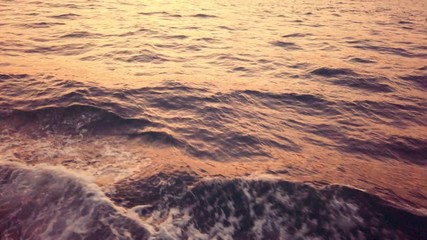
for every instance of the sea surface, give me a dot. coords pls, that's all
(213, 119)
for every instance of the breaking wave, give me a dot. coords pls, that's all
(185, 208)
(53, 203)
(47, 203)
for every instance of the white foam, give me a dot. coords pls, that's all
(55, 203)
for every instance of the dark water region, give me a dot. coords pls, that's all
(213, 119)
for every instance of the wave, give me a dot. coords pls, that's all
(13, 76)
(365, 45)
(81, 34)
(420, 80)
(40, 25)
(49, 203)
(297, 35)
(286, 45)
(75, 119)
(185, 208)
(203, 15)
(67, 16)
(202, 122)
(349, 78)
(395, 147)
(162, 13)
(63, 50)
(46, 202)
(332, 72)
(361, 60)
(167, 14)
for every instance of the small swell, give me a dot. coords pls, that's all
(398, 114)
(41, 24)
(371, 84)
(420, 80)
(202, 15)
(82, 34)
(405, 22)
(74, 119)
(349, 78)
(64, 50)
(66, 16)
(332, 72)
(361, 60)
(240, 69)
(153, 13)
(390, 50)
(175, 37)
(286, 45)
(307, 104)
(297, 35)
(163, 13)
(13, 76)
(144, 56)
(400, 148)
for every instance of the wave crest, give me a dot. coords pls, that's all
(47, 203)
(75, 119)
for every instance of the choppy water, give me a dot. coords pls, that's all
(213, 119)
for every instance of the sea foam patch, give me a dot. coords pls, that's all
(50, 203)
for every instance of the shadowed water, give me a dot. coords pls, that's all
(260, 103)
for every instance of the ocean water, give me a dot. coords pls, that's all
(214, 119)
